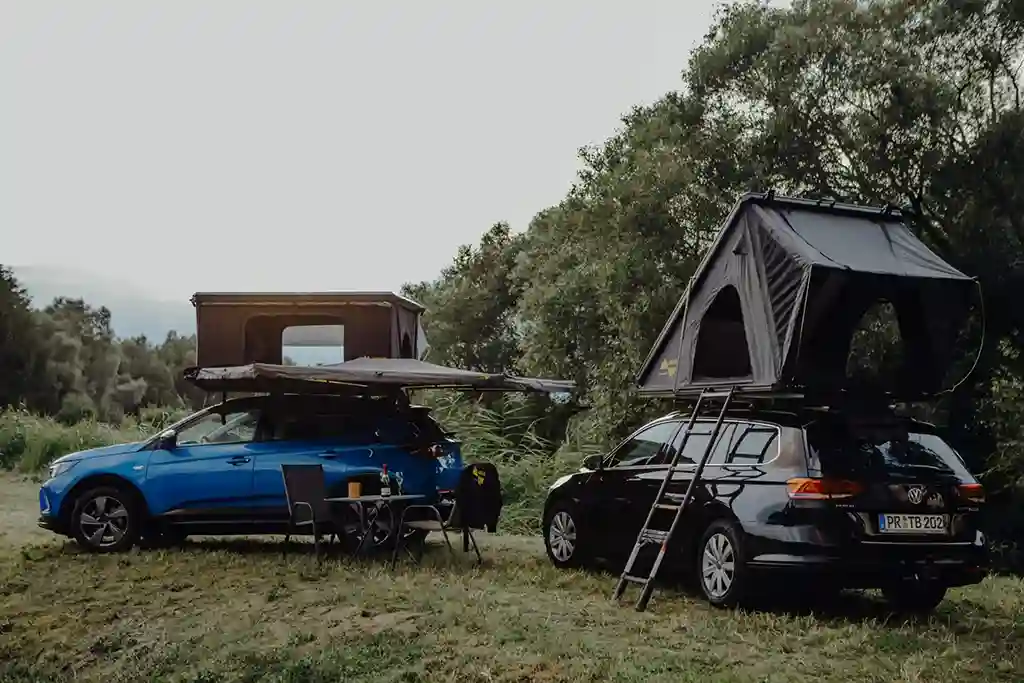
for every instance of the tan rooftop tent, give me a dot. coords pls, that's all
(238, 328)
(242, 337)
(776, 302)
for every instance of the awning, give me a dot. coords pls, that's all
(362, 375)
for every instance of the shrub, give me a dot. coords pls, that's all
(30, 442)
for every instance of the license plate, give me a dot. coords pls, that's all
(912, 524)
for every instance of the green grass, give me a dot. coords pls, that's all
(237, 611)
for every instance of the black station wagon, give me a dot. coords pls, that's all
(817, 496)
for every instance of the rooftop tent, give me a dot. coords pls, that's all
(236, 328)
(776, 302)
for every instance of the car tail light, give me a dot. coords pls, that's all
(822, 489)
(971, 493)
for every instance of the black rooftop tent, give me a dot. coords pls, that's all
(776, 301)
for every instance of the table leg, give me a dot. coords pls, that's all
(365, 526)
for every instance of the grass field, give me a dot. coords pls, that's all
(235, 610)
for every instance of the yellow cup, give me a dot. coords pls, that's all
(355, 489)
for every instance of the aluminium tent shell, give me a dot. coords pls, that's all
(776, 302)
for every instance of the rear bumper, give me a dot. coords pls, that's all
(875, 566)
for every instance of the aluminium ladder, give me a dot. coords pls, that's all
(649, 535)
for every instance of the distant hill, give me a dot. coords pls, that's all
(132, 313)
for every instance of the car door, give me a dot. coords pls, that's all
(209, 470)
(621, 496)
(327, 439)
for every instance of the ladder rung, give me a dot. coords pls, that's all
(635, 579)
(666, 506)
(655, 535)
(716, 393)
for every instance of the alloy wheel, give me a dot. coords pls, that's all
(562, 536)
(718, 566)
(104, 521)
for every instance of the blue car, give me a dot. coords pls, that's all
(219, 470)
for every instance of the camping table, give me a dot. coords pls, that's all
(379, 503)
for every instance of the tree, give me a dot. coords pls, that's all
(470, 318)
(21, 360)
(914, 102)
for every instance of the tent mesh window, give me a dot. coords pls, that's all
(722, 351)
(876, 345)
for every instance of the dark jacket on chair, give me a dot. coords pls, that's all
(479, 497)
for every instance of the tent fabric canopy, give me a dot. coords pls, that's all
(379, 374)
(778, 298)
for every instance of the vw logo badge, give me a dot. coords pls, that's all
(915, 495)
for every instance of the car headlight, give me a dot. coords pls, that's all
(59, 468)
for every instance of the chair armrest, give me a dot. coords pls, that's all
(291, 512)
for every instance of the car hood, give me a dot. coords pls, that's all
(116, 449)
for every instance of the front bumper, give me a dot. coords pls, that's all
(49, 517)
(51, 523)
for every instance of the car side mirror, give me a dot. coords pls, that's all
(592, 462)
(167, 440)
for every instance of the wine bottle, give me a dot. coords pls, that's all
(385, 482)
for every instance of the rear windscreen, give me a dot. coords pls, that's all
(415, 426)
(884, 452)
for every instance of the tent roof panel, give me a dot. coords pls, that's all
(882, 245)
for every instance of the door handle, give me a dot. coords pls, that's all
(238, 460)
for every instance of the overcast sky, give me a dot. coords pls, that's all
(190, 145)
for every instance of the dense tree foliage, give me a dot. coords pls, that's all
(915, 103)
(65, 361)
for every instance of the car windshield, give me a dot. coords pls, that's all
(884, 453)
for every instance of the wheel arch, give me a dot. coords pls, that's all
(703, 517)
(557, 497)
(94, 480)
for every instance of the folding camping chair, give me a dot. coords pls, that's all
(477, 505)
(305, 492)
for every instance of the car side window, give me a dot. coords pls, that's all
(756, 444)
(305, 427)
(642, 448)
(236, 427)
(695, 446)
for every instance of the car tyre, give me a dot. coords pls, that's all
(721, 567)
(106, 519)
(915, 597)
(564, 537)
